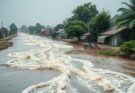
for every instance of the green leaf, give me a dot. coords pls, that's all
(132, 2)
(132, 24)
(123, 10)
(131, 7)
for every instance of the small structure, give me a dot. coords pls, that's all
(4, 32)
(113, 36)
(61, 34)
(45, 32)
(86, 37)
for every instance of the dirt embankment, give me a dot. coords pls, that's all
(78, 48)
(5, 43)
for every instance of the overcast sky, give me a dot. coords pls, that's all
(47, 12)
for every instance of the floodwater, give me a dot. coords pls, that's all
(115, 64)
(40, 65)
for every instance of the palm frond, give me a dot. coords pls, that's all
(121, 25)
(132, 24)
(127, 17)
(123, 10)
(132, 2)
(132, 7)
(123, 22)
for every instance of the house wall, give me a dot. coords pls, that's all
(61, 36)
(116, 40)
(107, 41)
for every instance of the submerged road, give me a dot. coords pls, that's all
(40, 65)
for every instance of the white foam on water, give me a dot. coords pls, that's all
(87, 85)
(50, 55)
(72, 89)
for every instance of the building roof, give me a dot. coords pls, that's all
(60, 31)
(113, 31)
(44, 30)
(101, 39)
(87, 34)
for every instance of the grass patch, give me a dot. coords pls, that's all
(106, 52)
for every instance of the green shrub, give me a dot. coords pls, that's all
(127, 48)
(54, 35)
(106, 52)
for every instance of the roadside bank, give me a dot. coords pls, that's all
(78, 49)
(5, 43)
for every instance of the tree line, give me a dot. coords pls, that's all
(35, 29)
(86, 18)
(4, 32)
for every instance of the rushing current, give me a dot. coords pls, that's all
(77, 75)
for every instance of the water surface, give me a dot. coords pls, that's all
(40, 65)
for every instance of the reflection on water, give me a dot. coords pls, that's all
(77, 75)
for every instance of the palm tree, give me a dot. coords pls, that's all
(127, 18)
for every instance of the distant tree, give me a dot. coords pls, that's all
(38, 28)
(13, 29)
(114, 20)
(99, 24)
(1, 35)
(127, 17)
(85, 12)
(50, 29)
(35, 29)
(31, 29)
(72, 18)
(4, 32)
(76, 25)
(59, 26)
(76, 29)
(24, 29)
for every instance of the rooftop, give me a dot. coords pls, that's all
(87, 34)
(113, 30)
